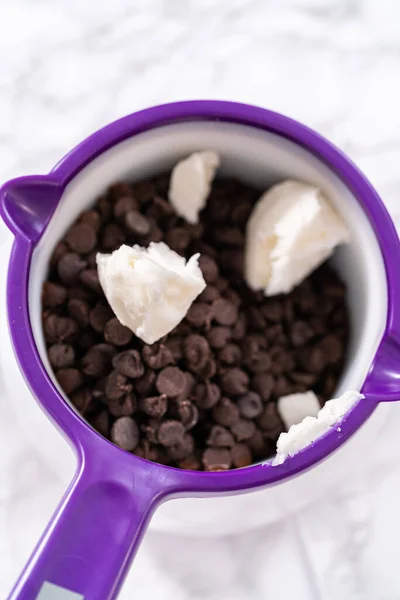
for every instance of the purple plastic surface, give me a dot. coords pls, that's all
(95, 532)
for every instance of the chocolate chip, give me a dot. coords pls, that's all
(101, 422)
(206, 395)
(182, 449)
(59, 329)
(230, 355)
(86, 339)
(218, 336)
(332, 348)
(240, 327)
(216, 459)
(125, 433)
(69, 267)
(220, 437)
(269, 421)
(225, 412)
(243, 429)
(209, 294)
(79, 310)
(53, 294)
(96, 362)
(116, 386)
(104, 206)
(191, 463)
(312, 359)
(146, 385)
(170, 433)
(90, 277)
(155, 406)
(199, 314)
(91, 218)
(300, 333)
(144, 190)
(187, 413)
(61, 355)
(196, 352)
(260, 363)
(225, 313)
(69, 379)
(116, 333)
(229, 236)
(178, 239)
(81, 399)
(119, 190)
(283, 386)
(263, 385)
(250, 405)
(112, 237)
(259, 445)
(273, 310)
(122, 407)
(235, 382)
(59, 251)
(99, 316)
(306, 379)
(123, 205)
(241, 456)
(129, 364)
(171, 381)
(174, 345)
(209, 268)
(137, 223)
(81, 238)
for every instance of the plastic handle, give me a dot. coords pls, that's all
(91, 540)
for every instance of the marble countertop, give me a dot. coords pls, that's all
(68, 67)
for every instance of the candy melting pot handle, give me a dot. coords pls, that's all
(90, 542)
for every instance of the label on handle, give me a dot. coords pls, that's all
(50, 591)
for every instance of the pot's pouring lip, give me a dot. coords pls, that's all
(28, 226)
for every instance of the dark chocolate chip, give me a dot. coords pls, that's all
(123, 205)
(171, 381)
(196, 352)
(90, 277)
(218, 336)
(96, 362)
(220, 437)
(81, 238)
(230, 355)
(125, 433)
(225, 412)
(112, 237)
(209, 294)
(69, 379)
(224, 312)
(137, 223)
(116, 333)
(235, 382)
(59, 329)
(241, 456)
(250, 405)
(129, 364)
(178, 239)
(79, 310)
(216, 459)
(263, 384)
(170, 433)
(269, 420)
(155, 406)
(91, 218)
(243, 429)
(69, 267)
(81, 399)
(301, 333)
(187, 413)
(53, 294)
(99, 316)
(123, 407)
(199, 314)
(209, 268)
(206, 395)
(101, 423)
(61, 355)
(182, 449)
(116, 386)
(146, 385)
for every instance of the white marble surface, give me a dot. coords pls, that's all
(66, 68)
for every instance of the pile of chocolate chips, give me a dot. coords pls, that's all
(204, 397)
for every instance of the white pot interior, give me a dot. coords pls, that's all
(257, 157)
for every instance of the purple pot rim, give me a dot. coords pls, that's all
(82, 437)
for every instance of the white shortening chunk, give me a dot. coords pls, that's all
(293, 408)
(311, 428)
(149, 289)
(190, 183)
(291, 231)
